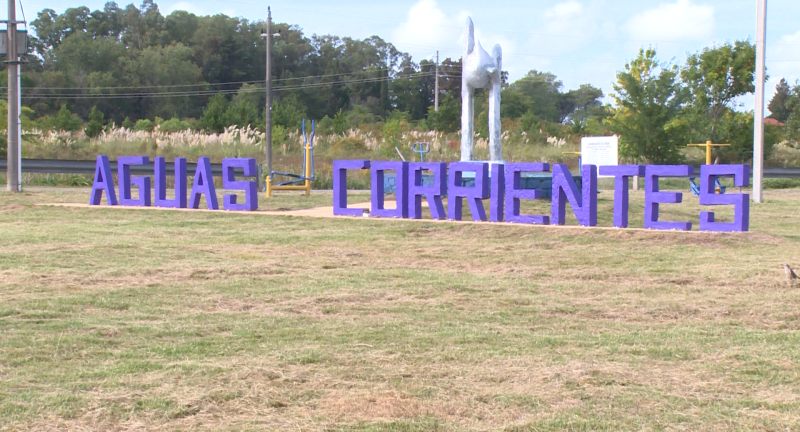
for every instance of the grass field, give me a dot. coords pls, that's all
(161, 320)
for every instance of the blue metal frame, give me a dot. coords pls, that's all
(300, 178)
(696, 188)
(422, 148)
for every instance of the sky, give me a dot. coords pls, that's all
(580, 41)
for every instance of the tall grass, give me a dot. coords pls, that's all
(374, 142)
(363, 143)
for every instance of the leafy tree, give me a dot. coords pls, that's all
(577, 105)
(288, 112)
(174, 125)
(127, 123)
(792, 130)
(340, 123)
(143, 125)
(242, 113)
(66, 120)
(448, 118)
(539, 92)
(778, 105)
(716, 77)
(359, 115)
(95, 124)
(649, 100)
(214, 115)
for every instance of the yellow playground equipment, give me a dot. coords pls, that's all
(708, 145)
(297, 182)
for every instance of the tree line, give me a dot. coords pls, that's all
(136, 67)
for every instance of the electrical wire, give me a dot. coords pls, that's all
(214, 92)
(203, 84)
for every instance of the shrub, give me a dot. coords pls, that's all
(143, 125)
(174, 125)
(127, 123)
(348, 148)
(96, 122)
(66, 120)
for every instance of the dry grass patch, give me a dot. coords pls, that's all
(139, 320)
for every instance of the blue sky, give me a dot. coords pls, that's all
(581, 41)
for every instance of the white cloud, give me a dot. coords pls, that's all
(680, 21)
(566, 27)
(428, 28)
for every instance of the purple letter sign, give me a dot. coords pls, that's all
(161, 183)
(498, 199)
(400, 183)
(203, 185)
(584, 204)
(621, 175)
(229, 182)
(652, 197)
(124, 177)
(340, 168)
(432, 193)
(741, 212)
(514, 193)
(474, 195)
(103, 182)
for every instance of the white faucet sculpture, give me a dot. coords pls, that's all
(480, 70)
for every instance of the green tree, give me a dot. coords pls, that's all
(792, 129)
(242, 113)
(448, 118)
(649, 100)
(716, 77)
(340, 124)
(95, 124)
(214, 115)
(778, 105)
(66, 120)
(538, 92)
(288, 112)
(144, 125)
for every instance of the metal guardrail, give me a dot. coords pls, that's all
(59, 166)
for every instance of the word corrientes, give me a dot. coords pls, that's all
(500, 184)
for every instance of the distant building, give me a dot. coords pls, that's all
(772, 122)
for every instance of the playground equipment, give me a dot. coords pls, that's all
(696, 188)
(422, 148)
(297, 182)
(708, 145)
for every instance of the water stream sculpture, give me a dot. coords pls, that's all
(480, 70)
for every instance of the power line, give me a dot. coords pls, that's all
(167, 86)
(214, 92)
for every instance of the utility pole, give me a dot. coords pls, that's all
(14, 172)
(758, 139)
(268, 112)
(436, 94)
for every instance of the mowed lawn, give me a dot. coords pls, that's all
(161, 320)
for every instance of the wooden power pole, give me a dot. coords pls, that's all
(436, 94)
(268, 112)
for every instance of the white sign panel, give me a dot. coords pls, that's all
(600, 151)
